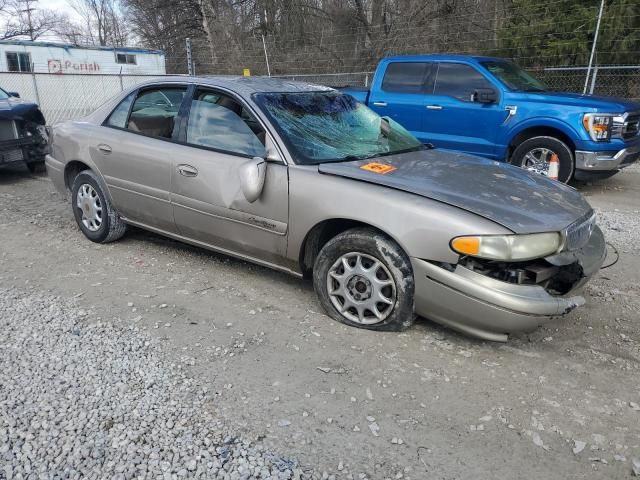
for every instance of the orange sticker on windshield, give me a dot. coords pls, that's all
(381, 168)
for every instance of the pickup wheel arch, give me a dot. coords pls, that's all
(538, 131)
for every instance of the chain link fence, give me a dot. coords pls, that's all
(64, 97)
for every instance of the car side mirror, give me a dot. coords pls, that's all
(13, 94)
(485, 95)
(252, 175)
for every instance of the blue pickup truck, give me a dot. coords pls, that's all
(491, 107)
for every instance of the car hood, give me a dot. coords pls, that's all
(16, 109)
(597, 103)
(521, 201)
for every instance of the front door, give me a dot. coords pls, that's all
(454, 120)
(132, 153)
(219, 135)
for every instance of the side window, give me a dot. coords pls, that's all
(219, 122)
(459, 81)
(154, 111)
(408, 77)
(118, 117)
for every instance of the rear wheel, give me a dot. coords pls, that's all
(535, 153)
(364, 279)
(93, 211)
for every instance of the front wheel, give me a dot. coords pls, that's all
(364, 279)
(536, 153)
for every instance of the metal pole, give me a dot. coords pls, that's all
(35, 85)
(189, 58)
(593, 48)
(120, 76)
(593, 80)
(266, 57)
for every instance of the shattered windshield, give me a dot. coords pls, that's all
(328, 127)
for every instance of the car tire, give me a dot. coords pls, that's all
(93, 211)
(378, 270)
(524, 153)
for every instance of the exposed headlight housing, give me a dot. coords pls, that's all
(508, 248)
(599, 126)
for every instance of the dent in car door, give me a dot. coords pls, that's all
(207, 197)
(454, 120)
(133, 154)
(401, 93)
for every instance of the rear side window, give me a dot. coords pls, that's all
(459, 81)
(408, 77)
(154, 111)
(118, 117)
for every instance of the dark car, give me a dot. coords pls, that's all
(23, 135)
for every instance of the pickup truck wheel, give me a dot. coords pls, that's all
(534, 155)
(364, 279)
(92, 210)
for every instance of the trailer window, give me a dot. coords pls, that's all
(19, 62)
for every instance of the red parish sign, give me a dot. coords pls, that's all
(67, 66)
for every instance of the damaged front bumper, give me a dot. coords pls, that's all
(491, 309)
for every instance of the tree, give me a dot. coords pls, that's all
(562, 32)
(23, 19)
(103, 23)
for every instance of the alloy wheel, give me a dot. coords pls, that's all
(361, 288)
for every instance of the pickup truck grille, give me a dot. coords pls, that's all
(579, 232)
(631, 126)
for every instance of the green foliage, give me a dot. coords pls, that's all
(561, 32)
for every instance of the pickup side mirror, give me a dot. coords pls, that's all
(485, 95)
(13, 94)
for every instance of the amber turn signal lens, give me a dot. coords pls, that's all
(466, 245)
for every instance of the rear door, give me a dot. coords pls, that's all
(133, 153)
(218, 136)
(454, 120)
(400, 94)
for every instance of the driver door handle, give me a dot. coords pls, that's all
(434, 107)
(380, 104)
(104, 148)
(187, 170)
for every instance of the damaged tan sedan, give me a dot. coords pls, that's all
(304, 179)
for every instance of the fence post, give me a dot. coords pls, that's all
(35, 85)
(120, 77)
(189, 58)
(593, 47)
(593, 80)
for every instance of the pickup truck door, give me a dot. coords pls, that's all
(400, 94)
(453, 120)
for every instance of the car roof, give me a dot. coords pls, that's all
(441, 57)
(246, 86)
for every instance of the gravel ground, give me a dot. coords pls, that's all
(84, 398)
(124, 337)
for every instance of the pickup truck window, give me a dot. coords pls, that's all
(514, 77)
(459, 81)
(409, 77)
(321, 127)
